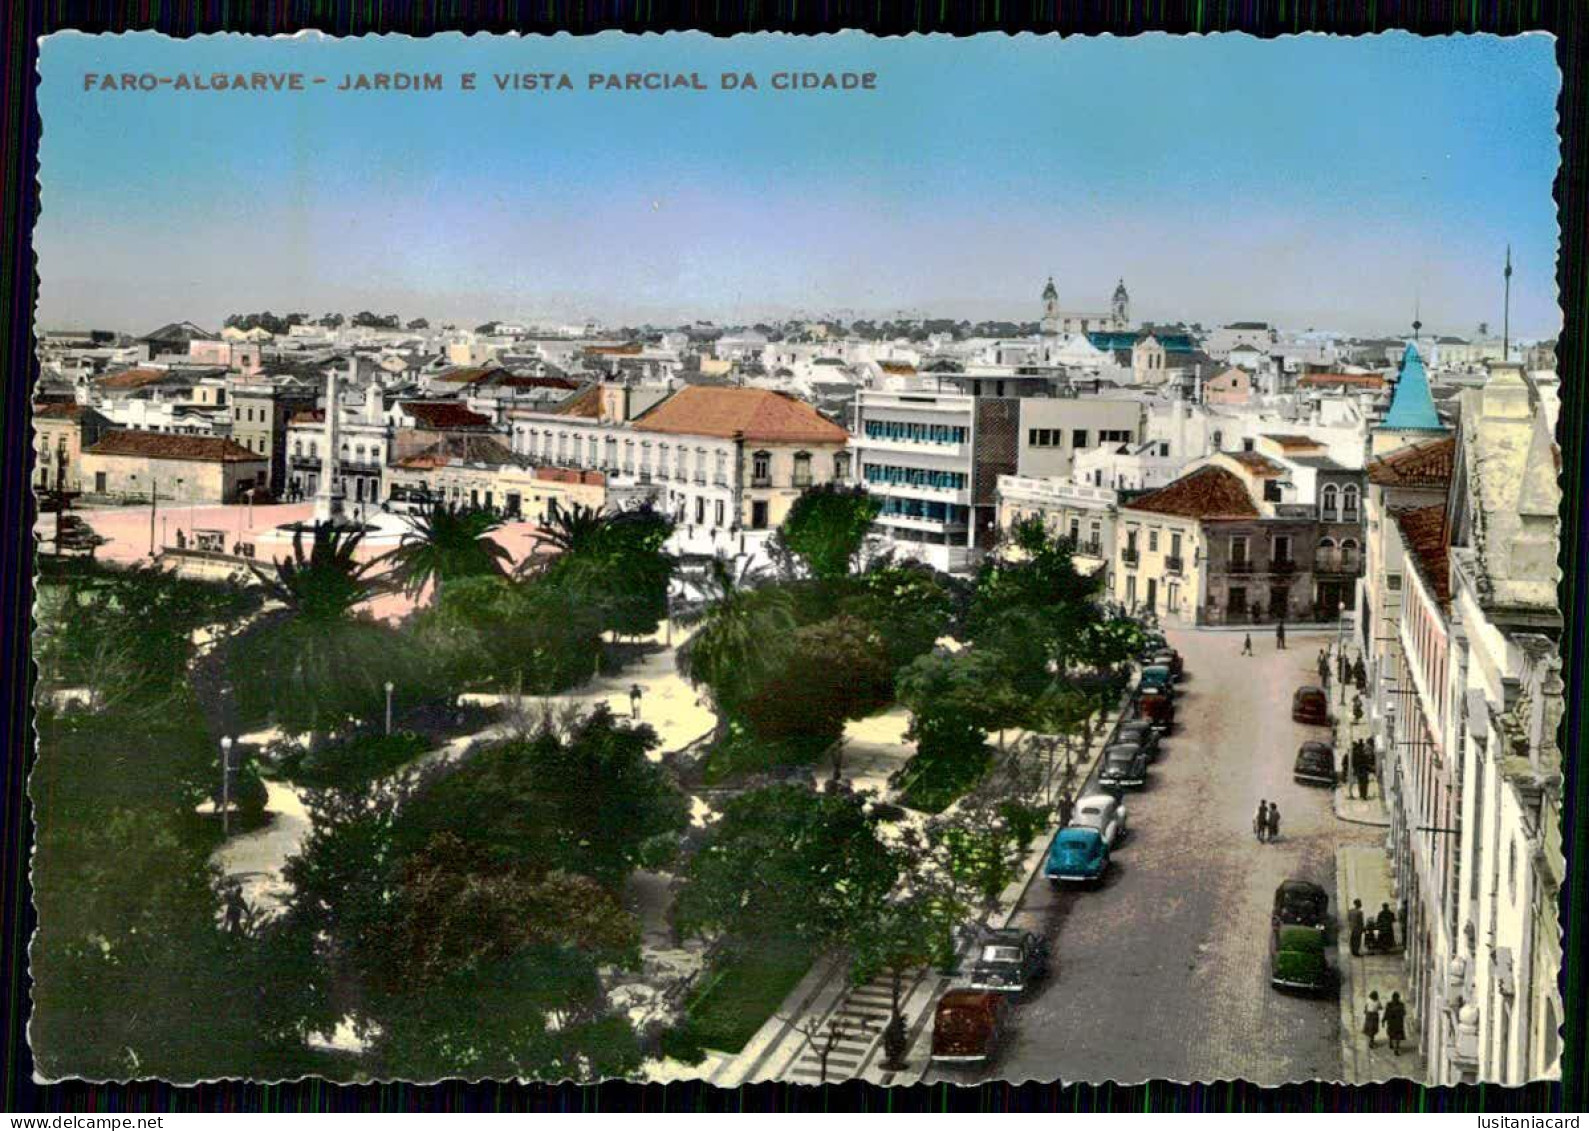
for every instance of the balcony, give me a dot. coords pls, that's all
(1326, 562)
(1283, 565)
(761, 481)
(1174, 563)
(1239, 565)
(802, 481)
(1130, 556)
(1093, 549)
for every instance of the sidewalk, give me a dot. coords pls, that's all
(1362, 872)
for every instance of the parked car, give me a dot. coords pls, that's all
(1153, 642)
(1158, 708)
(1009, 961)
(1141, 732)
(1297, 960)
(1301, 903)
(1125, 765)
(1157, 677)
(968, 1026)
(1077, 856)
(1315, 764)
(1104, 813)
(1309, 705)
(1169, 658)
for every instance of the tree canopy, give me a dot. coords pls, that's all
(827, 527)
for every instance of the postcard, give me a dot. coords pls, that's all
(768, 558)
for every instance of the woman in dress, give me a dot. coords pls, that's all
(1371, 1018)
(1395, 1023)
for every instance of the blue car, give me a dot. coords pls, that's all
(1077, 856)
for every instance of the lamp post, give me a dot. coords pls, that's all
(226, 786)
(1340, 644)
(388, 707)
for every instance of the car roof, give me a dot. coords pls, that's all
(1077, 834)
(1156, 668)
(1309, 690)
(1299, 886)
(966, 999)
(1098, 799)
(1136, 724)
(1122, 749)
(1315, 744)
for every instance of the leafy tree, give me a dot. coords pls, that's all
(784, 862)
(331, 321)
(910, 605)
(729, 652)
(584, 799)
(446, 542)
(828, 673)
(451, 963)
(902, 935)
(418, 324)
(977, 851)
(827, 526)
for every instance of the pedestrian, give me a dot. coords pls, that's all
(1260, 823)
(1395, 1023)
(1246, 645)
(635, 691)
(1361, 769)
(1371, 1018)
(1324, 668)
(1385, 924)
(236, 907)
(1274, 822)
(1354, 926)
(1280, 636)
(1066, 807)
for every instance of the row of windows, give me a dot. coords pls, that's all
(1055, 437)
(915, 477)
(916, 433)
(1348, 499)
(922, 508)
(356, 452)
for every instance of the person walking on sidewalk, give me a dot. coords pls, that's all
(1385, 924)
(1280, 636)
(1395, 1023)
(1324, 669)
(1274, 823)
(1360, 768)
(1260, 823)
(635, 692)
(1371, 1018)
(1354, 926)
(1246, 645)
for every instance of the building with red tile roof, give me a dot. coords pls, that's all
(179, 468)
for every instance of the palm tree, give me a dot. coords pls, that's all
(446, 542)
(316, 661)
(611, 559)
(739, 621)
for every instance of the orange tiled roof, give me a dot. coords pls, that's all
(1208, 492)
(899, 368)
(1419, 465)
(466, 375)
(309, 416)
(1360, 380)
(1257, 462)
(69, 410)
(1423, 529)
(630, 349)
(135, 378)
(759, 415)
(1293, 443)
(166, 445)
(444, 414)
(586, 403)
(460, 449)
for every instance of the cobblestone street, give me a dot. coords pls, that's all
(1163, 973)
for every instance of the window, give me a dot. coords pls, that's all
(720, 471)
(841, 466)
(1282, 550)
(1131, 542)
(1238, 548)
(719, 512)
(1078, 438)
(700, 511)
(1153, 541)
(1075, 530)
(1219, 439)
(1511, 869)
(1164, 451)
(1247, 444)
(1175, 545)
(1271, 490)
(681, 456)
(1349, 552)
(610, 453)
(1327, 508)
(760, 469)
(802, 469)
(1393, 582)
(662, 461)
(1349, 503)
(628, 457)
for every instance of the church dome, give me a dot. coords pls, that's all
(1050, 291)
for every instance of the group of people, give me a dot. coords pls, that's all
(1394, 1015)
(1266, 824)
(1379, 934)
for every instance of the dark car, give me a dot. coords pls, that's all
(1124, 765)
(1297, 960)
(1300, 903)
(1158, 708)
(1315, 764)
(1009, 961)
(1169, 658)
(1140, 732)
(1309, 705)
(1157, 677)
(968, 1026)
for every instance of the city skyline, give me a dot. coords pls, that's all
(1372, 178)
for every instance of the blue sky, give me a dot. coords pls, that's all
(1309, 181)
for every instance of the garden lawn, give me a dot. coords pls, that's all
(744, 990)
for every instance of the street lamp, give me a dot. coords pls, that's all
(226, 786)
(1340, 644)
(388, 707)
